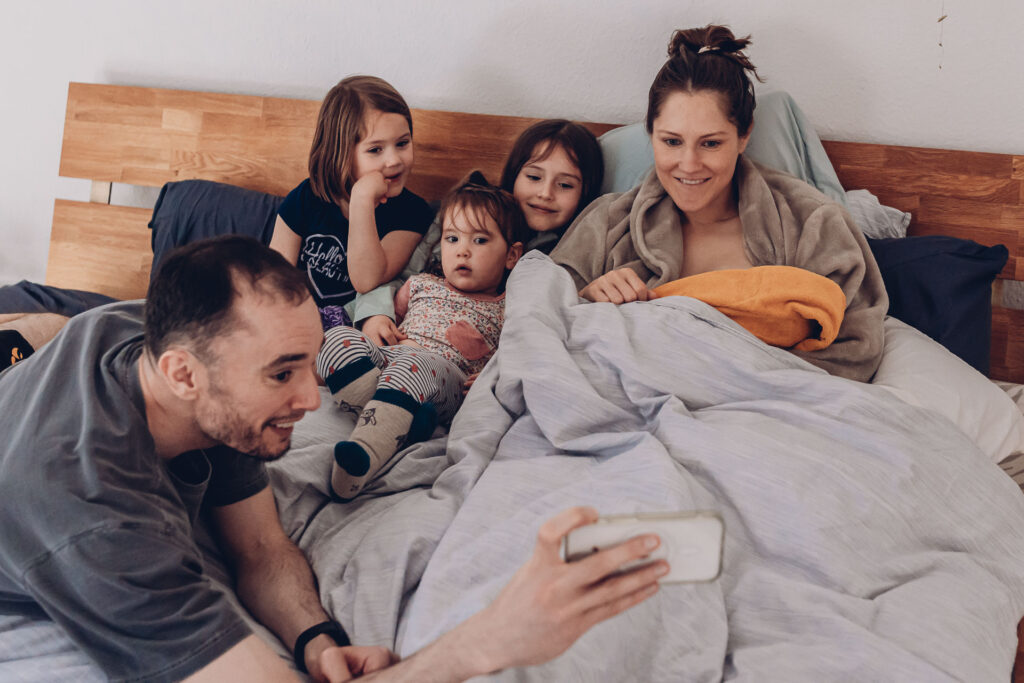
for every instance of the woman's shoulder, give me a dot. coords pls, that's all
(795, 191)
(606, 218)
(766, 188)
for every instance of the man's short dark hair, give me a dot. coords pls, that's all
(192, 294)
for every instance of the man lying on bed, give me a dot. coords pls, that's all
(135, 413)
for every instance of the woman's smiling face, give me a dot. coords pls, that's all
(696, 147)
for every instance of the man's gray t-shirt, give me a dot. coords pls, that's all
(96, 528)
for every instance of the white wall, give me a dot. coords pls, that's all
(868, 71)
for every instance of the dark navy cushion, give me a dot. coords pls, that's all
(943, 287)
(191, 210)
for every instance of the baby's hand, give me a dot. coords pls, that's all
(372, 187)
(382, 331)
(469, 383)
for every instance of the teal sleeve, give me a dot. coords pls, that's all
(378, 301)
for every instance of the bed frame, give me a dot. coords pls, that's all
(147, 136)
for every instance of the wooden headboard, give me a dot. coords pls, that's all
(148, 136)
(972, 195)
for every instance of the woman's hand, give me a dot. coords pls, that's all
(618, 287)
(382, 331)
(372, 188)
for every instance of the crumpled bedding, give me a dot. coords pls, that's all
(866, 539)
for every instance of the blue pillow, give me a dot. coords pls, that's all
(943, 287)
(191, 210)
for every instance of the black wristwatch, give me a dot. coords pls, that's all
(330, 627)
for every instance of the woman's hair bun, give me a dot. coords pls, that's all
(707, 58)
(711, 38)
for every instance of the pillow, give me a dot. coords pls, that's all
(191, 210)
(923, 373)
(875, 219)
(943, 287)
(628, 157)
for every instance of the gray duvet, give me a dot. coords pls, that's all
(865, 539)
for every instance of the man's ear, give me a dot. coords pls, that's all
(514, 253)
(184, 374)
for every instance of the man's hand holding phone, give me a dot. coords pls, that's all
(549, 603)
(691, 542)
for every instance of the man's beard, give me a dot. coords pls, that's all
(228, 428)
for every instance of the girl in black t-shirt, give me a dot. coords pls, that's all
(352, 225)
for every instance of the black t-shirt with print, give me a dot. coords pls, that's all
(324, 232)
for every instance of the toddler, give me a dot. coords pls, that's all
(449, 329)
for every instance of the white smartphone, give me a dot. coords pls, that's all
(691, 542)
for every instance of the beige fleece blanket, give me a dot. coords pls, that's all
(786, 222)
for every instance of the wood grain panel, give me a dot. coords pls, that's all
(920, 159)
(149, 136)
(982, 222)
(968, 213)
(879, 180)
(100, 248)
(903, 202)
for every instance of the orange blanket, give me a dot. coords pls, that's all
(781, 305)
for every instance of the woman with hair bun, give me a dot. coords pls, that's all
(704, 207)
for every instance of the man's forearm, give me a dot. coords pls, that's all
(278, 587)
